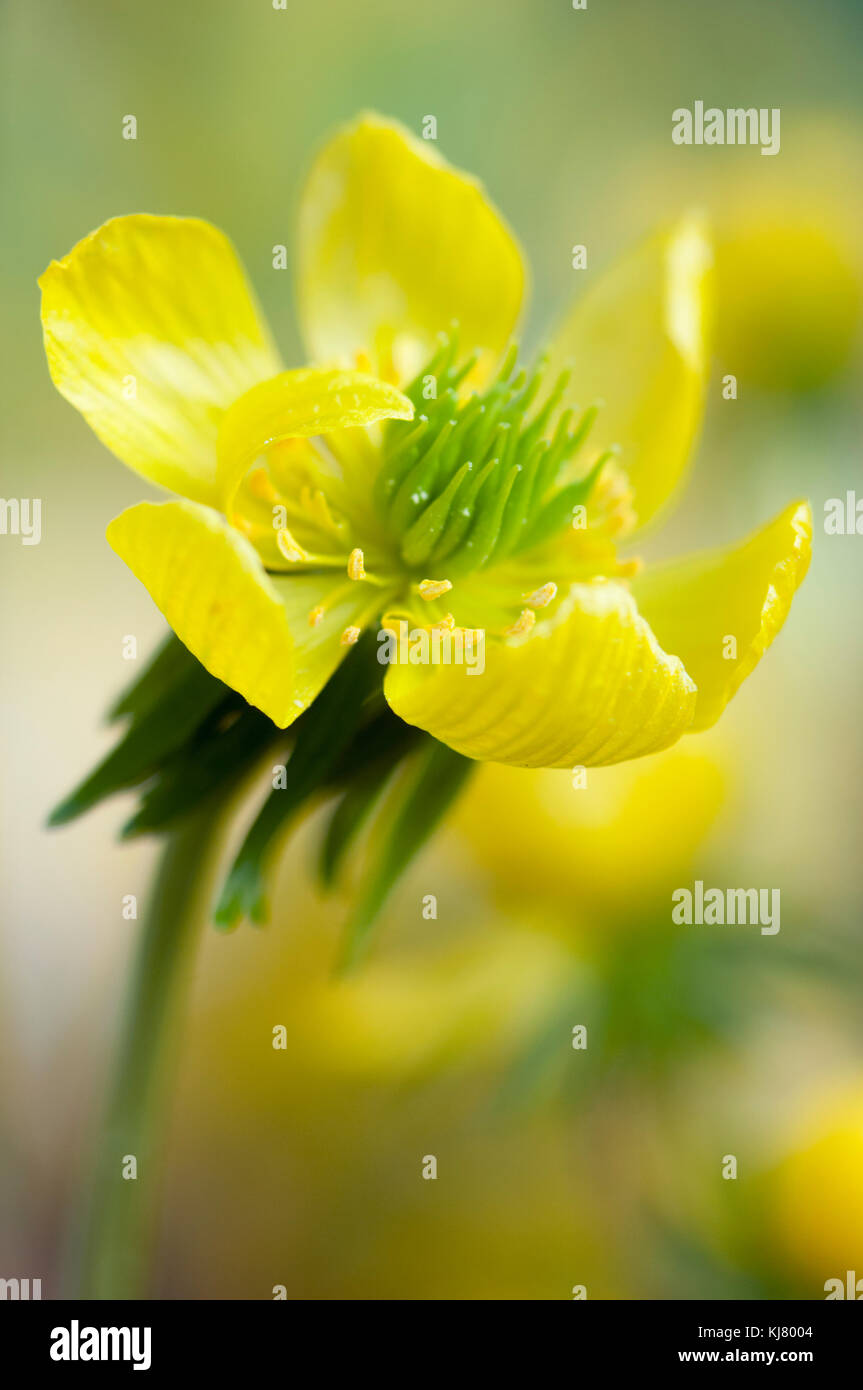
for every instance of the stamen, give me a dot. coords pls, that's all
(289, 548)
(332, 600)
(429, 589)
(446, 624)
(542, 597)
(356, 567)
(350, 636)
(523, 624)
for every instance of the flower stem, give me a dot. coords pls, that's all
(116, 1247)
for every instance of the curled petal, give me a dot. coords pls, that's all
(720, 611)
(589, 687)
(300, 404)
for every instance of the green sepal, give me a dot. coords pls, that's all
(347, 820)
(214, 760)
(416, 808)
(166, 668)
(322, 734)
(365, 769)
(162, 725)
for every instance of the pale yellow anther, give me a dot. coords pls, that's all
(316, 615)
(433, 588)
(523, 624)
(627, 569)
(288, 547)
(356, 564)
(350, 636)
(540, 598)
(446, 624)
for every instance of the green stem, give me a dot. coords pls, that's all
(119, 1236)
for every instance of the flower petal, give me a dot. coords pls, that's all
(250, 630)
(636, 342)
(394, 245)
(300, 404)
(589, 687)
(151, 332)
(695, 605)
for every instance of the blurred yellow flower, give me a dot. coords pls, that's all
(790, 298)
(815, 1196)
(789, 260)
(563, 849)
(441, 1003)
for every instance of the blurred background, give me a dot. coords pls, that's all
(556, 1167)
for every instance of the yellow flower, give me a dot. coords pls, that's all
(792, 308)
(557, 853)
(788, 262)
(415, 473)
(814, 1196)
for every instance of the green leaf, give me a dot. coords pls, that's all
(380, 743)
(322, 735)
(347, 820)
(170, 664)
(418, 807)
(214, 761)
(364, 768)
(159, 731)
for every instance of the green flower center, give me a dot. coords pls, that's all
(469, 483)
(476, 480)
